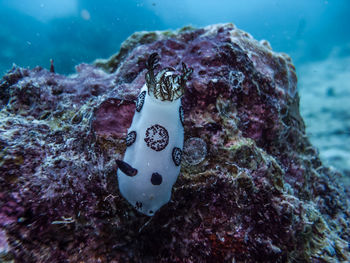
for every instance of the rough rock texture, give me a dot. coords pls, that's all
(251, 189)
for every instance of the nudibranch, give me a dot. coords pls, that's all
(154, 140)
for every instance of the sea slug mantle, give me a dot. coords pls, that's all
(154, 142)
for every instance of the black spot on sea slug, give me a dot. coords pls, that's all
(126, 168)
(176, 155)
(181, 114)
(157, 137)
(130, 138)
(156, 179)
(140, 101)
(138, 205)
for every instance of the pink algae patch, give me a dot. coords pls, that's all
(113, 117)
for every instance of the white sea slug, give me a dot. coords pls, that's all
(154, 142)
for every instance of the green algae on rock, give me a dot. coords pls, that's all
(259, 194)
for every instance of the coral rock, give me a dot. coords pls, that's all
(253, 188)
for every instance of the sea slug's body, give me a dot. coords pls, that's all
(154, 142)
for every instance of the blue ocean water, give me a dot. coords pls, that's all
(315, 33)
(72, 31)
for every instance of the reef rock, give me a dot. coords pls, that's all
(251, 189)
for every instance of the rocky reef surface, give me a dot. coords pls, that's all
(252, 188)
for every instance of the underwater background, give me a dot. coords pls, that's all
(316, 34)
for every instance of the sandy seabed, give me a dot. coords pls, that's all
(325, 106)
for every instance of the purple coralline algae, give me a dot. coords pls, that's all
(254, 190)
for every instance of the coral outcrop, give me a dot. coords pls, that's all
(251, 188)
